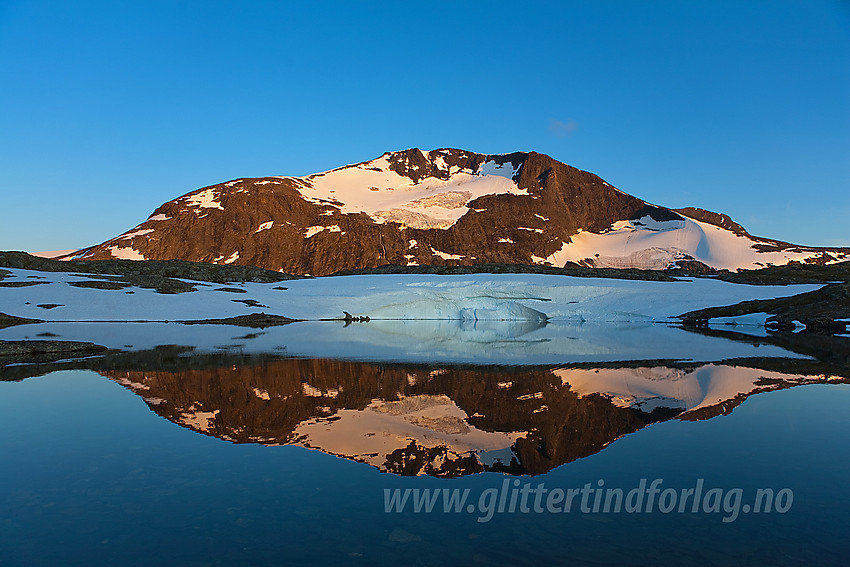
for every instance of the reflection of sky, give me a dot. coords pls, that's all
(485, 342)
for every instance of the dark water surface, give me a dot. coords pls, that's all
(221, 459)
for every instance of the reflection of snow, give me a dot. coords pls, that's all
(198, 420)
(262, 394)
(264, 226)
(649, 388)
(371, 434)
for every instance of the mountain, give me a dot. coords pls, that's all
(442, 207)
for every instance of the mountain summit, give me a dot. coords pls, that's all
(442, 207)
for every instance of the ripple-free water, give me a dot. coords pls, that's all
(200, 460)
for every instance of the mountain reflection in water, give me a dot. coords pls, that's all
(446, 420)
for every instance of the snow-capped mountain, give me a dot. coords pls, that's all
(439, 207)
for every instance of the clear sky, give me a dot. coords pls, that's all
(108, 109)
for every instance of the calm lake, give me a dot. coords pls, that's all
(426, 443)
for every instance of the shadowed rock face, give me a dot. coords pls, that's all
(717, 219)
(275, 223)
(446, 421)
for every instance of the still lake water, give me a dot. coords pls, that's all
(228, 457)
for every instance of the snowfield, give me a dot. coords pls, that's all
(477, 297)
(652, 245)
(373, 188)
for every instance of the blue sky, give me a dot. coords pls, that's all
(108, 109)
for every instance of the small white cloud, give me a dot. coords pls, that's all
(562, 129)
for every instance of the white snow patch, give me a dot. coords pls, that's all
(446, 256)
(125, 253)
(264, 226)
(204, 200)
(135, 233)
(750, 319)
(159, 217)
(232, 258)
(313, 230)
